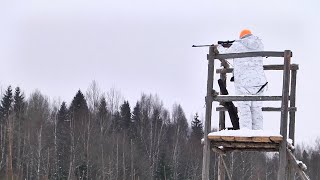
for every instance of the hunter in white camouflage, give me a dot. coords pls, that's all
(249, 79)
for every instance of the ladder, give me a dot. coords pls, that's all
(287, 162)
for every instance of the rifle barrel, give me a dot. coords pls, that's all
(206, 45)
(223, 43)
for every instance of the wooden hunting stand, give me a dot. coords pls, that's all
(268, 143)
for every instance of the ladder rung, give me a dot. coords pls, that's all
(248, 54)
(265, 67)
(221, 108)
(246, 146)
(227, 98)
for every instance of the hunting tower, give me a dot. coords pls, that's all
(288, 165)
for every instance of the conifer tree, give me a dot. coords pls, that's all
(125, 114)
(6, 103)
(80, 132)
(197, 128)
(164, 170)
(19, 132)
(19, 103)
(103, 115)
(63, 142)
(136, 114)
(102, 110)
(103, 126)
(78, 104)
(6, 131)
(136, 120)
(116, 119)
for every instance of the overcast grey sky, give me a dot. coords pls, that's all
(140, 46)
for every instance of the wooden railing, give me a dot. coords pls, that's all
(288, 69)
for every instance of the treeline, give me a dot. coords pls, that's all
(99, 136)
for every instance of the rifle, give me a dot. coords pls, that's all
(225, 44)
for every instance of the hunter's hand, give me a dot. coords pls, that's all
(215, 49)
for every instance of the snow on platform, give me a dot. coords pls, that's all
(246, 135)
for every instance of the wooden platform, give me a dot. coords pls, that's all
(250, 140)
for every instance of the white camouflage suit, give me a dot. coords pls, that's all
(249, 77)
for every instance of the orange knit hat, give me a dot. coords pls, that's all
(244, 33)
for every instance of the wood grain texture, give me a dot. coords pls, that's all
(275, 67)
(248, 54)
(226, 98)
(220, 108)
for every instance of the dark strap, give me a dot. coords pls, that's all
(262, 87)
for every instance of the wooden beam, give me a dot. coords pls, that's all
(292, 114)
(246, 145)
(293, 163)
(247, 54)
(225, 167)
(221, 108)
(254, 139)
(207, 125)
(226, 98)
(221, 169)
(265, 67)
(218, 150)
(222, 115)
(261, 149)
(282, 173)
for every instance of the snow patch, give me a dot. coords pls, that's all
(245, 133)
(290, 144)
(302, 165)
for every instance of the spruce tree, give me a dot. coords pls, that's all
(197, 128)
(6, 103)
(63, 142)
(19, 104)
(102, 110)
(103, 114)
(136, 120)
(136, 114)
(116, 121)
(80, 130)
(164, 170)
(6, 108)
(5, 128)
(79, 111)
(19, 108)
(103, 122)
(79, 103)
(125, 113)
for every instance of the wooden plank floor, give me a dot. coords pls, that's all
(265, 139)
(243, 142)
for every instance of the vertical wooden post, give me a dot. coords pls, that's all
(282, 173)
(221, 168)
(222, 114)
(292, 116)
(207, 125)
(222, 125)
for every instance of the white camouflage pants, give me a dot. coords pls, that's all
(250, 112)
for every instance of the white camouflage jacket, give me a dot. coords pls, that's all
(248, 72)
